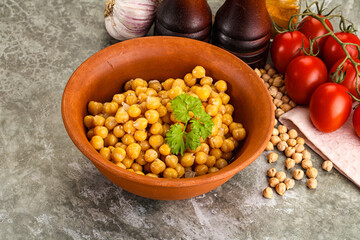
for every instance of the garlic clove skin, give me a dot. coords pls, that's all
(127, 19)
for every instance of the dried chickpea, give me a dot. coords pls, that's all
(297, 157)
(299, 148)
(298, 174)
(289, 163)
(273, 181)
(281, 176)
(289, 183)
(311, 183)
(268, 193)
(311, 172)
(306, 154)
(275, 140)
(275, 132)
(327, 165)
(284, 136)
(269, 146)
(293, 134)
(300, 140)
(289, 151)
(272, 157)
(280, 188)
(282, 129)
(306, 164)
(291, 142)
(281, 146)
(271, 172)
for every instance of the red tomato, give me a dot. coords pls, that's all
(350, 77)
(313, 28)
(333, 51)
(303, 75)
(287, 46)
(329, 107)
(356, 120)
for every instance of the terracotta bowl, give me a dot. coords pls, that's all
(103, 75)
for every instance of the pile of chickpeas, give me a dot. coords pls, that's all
(130, 131)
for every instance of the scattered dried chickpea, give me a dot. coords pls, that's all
(298, 174)
(268, 192)
(273, 181)
(311, 183)
(327, 165)
(306, 164)
(311, 172)
(280, 188)
(271, 172)
(272, 157)
(281, 176)
(289, 163)
(290, 183)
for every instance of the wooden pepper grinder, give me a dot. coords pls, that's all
(184, 18)
(243, 27)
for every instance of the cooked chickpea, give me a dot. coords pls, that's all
(221, 86)
(95, 108)
(190, 80)
(203, 93)
(99, 120)
(165, 149)
(89, 121)
(110, 140)
(187, 160)
(216, 142)
(201, 158)
(152, 116)
(118, 155)
(227, 146)
(239, 134)
(213, 169)
(106, 153)
(221, 163)
(97, 142)
(224, 98)
(134, 111)
(157, 166)
(217, 153)
(170, 173)
(127, 139)
(153, 102)
(156, 141)
(119, 98)
(229, 109)
(174, 92)
(118, 131)
(101, 131)
(150, 155)
(198, 72)
(144, 145)
(201, 169)
(129, 127)
(121, 115)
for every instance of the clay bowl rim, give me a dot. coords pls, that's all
(85, 147)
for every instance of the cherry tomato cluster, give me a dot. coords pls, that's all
(309, 71)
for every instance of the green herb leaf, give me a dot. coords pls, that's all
(201, 124)
(175, 139)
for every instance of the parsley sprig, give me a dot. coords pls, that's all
(188, 109)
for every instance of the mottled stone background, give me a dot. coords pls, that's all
(49, 190)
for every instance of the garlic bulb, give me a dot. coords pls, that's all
(126, 19)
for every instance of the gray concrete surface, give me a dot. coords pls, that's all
(49, 190)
